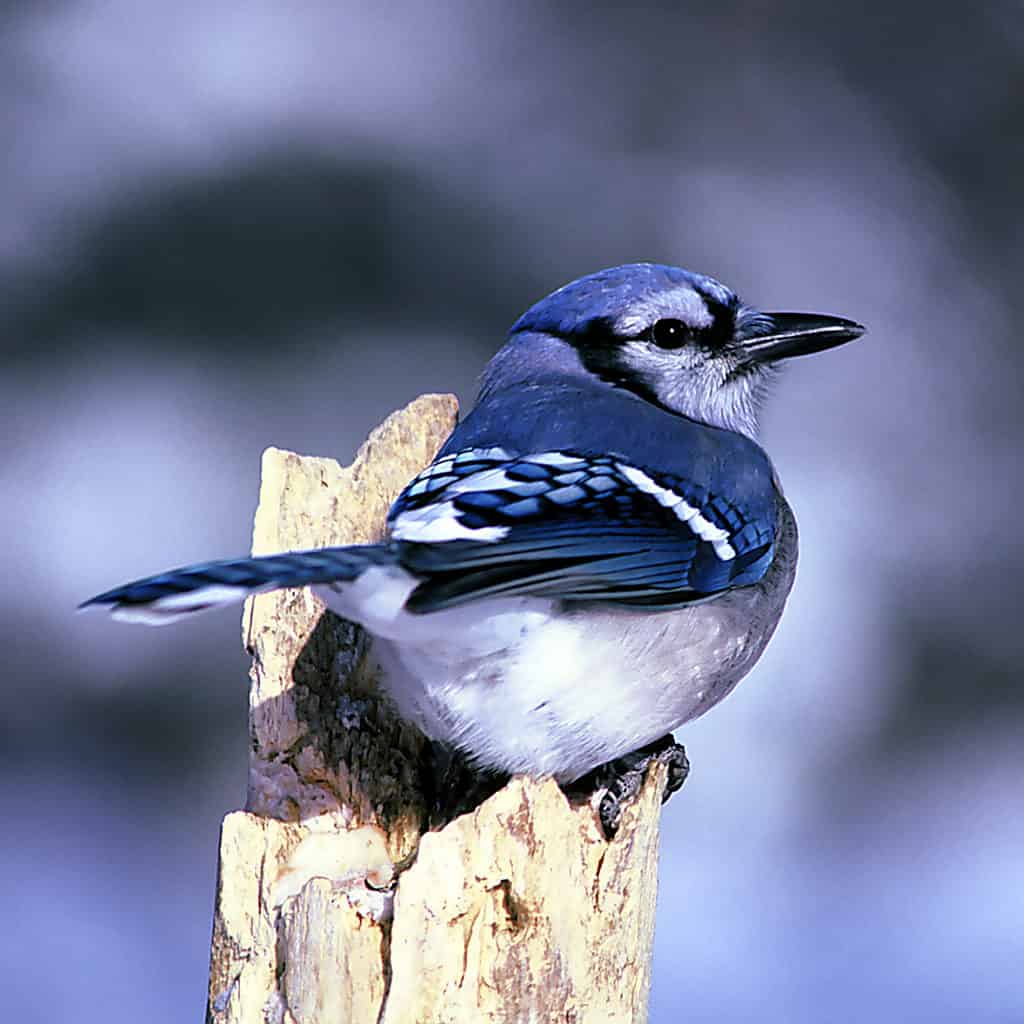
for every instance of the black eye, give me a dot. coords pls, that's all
(670, 333)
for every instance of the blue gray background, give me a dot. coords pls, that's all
(230, 224)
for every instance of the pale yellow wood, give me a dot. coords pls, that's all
(331, 903)
(522, 911)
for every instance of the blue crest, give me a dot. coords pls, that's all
(606, 293)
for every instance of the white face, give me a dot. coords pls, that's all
(680, 340)
(706, 376)
(709, 388)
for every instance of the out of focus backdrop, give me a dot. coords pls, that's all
(230, 224)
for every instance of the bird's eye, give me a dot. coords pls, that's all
(669, 333)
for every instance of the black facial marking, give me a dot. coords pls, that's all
(600, 351)
(720, 331)
(600, 348)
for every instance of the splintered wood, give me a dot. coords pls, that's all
(332, 903)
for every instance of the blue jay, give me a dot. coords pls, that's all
(599, 552)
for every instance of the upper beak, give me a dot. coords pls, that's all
(799, 334)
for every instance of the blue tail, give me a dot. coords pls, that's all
(171, 595)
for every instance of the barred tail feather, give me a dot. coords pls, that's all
(158, 600)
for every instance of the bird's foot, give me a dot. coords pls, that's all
(614, 784)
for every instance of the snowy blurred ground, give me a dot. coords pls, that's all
(227, 225)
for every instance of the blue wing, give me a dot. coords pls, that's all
(565, 525)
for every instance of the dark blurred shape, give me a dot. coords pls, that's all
(953, 682)
(273, 245)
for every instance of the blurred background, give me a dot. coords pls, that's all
(231, 224)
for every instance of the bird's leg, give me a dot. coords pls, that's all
(617, 782)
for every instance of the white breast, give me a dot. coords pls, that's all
(525, 685)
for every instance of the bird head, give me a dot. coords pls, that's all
(677, 339)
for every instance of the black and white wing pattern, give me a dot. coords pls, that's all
(482, 522)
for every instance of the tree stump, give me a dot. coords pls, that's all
(333, 901)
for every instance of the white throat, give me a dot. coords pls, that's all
(699, 388)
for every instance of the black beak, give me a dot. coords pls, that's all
(799, 334)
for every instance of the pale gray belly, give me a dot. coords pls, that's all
(561, 691)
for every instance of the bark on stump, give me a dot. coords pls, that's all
(332, 903)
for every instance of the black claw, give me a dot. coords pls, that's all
(673, 756)
(623, 778)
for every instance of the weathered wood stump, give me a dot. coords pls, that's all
(333, 903)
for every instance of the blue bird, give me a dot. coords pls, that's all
(598, 554)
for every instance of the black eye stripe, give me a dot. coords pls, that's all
(600, 346)
(723, 323)
(670, 333)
